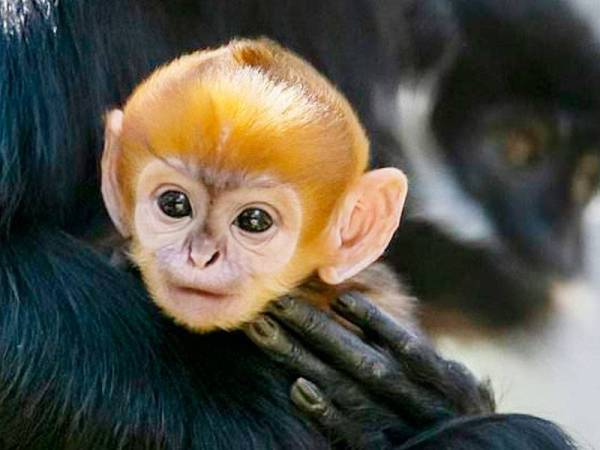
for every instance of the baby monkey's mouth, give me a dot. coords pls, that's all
(213, 295)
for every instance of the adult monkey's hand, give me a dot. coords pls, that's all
(375, 391)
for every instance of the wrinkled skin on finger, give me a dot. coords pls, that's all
(372, 390)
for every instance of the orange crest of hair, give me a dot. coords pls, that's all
(247, 107)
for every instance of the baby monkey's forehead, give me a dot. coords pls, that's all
(222, 179)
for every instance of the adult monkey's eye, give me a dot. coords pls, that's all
(253, 220)
(523, 139)
(525, 146)
(175, 204)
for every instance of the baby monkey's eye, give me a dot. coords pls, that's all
(253, 220)
(175, 204)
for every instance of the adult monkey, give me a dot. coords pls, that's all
(503, 149)
(86, 361)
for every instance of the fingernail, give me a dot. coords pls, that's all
(264, 327)
(346, 301)
(284, 303)
(308, 391)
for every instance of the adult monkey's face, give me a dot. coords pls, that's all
(512, 143)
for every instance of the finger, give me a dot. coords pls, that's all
(402, 342)
(361, 361)
(420, 360)
(282, 347)
(470, 395)
(344, 347)
(279, 345)
(312, 402)
(356, 308)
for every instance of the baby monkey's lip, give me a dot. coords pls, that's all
(201, 292)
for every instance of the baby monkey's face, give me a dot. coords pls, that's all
(212, 245)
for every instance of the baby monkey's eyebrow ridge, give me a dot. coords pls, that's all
(221, 178)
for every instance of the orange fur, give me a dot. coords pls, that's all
(378, 282)
(248, 107)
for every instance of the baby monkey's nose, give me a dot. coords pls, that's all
(203, 254)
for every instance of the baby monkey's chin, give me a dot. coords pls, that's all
(204, 310)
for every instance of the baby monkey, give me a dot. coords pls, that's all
(240, 174)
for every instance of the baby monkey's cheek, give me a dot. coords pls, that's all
(155, 236)
(274, 256)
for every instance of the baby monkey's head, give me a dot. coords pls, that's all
(238, 173)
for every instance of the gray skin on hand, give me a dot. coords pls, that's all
(389, 371)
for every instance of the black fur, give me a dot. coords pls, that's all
(87, 362)
(498, 432)
(61, 67)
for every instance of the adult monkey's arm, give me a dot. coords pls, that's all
(389, 389)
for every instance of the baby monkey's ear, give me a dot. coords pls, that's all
(111, 191)
(365, 223)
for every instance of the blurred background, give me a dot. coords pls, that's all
(551, 370)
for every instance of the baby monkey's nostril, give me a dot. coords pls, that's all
(212, 259)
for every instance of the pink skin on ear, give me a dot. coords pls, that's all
(366, 222)
(110, 186)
